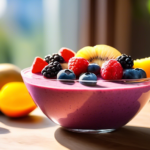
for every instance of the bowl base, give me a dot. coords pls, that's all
(90, 131)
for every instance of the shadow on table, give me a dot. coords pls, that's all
(4, 131)
(127, 137)
(29, 122)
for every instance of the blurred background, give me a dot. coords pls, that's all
(40, 27)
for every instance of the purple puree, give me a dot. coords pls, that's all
(107, 105)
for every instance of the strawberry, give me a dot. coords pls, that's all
(38, 65)
(66, 53)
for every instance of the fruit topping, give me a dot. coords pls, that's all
(38, 65)
(98, 54)
(64, 65)
(111, 70)
(134, 73)
(66, 53)
(88, 78)
(94, 68)
(54, 57)
(125, 61)
(78, 65)
(51, 69)
(66, 74)
(143, 63)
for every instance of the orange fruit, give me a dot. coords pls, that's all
(144, 64)
(15, 101)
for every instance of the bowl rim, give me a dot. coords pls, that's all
(138, 82)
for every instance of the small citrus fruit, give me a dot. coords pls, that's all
(15, 101)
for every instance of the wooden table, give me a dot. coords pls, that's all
(36, 132)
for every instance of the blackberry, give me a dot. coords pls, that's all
(125, 61)
(54, 57)
(51, 69)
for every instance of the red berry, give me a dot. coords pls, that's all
(78, 65)
(38, 65)
(66, 53)
(111, 70)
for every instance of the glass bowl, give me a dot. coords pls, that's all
(77, 107)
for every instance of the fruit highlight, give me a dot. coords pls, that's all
(15, 101)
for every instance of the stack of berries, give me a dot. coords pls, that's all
(88, 66)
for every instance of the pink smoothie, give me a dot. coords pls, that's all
(107, 105)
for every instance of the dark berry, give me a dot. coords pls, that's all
(141, 72)
(134, 73)
(52, 69)
(54, 57)
(88, 78)
(94, 68)
(125, 61)
(66, 74)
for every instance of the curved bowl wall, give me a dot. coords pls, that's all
(76, 106)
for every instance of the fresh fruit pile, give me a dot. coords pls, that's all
(15, 101)
(87, 64)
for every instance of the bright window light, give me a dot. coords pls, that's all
(3, 4)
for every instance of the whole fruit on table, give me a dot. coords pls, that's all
(15, 101)
(9, 73)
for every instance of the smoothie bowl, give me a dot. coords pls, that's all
(94, 90)
(104, 107)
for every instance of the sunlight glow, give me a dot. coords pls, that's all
(3, 4)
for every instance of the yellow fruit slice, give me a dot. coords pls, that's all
(98, 54)
(144, 64)
(15, 101)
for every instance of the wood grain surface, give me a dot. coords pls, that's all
(36, 132)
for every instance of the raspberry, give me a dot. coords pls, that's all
(111, 70)
(38, 65)
(78, 65)
(66, 53)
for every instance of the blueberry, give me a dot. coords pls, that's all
(66, 74)
(141, 72)
(134, 74)
(94, 68)
(88, 78)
